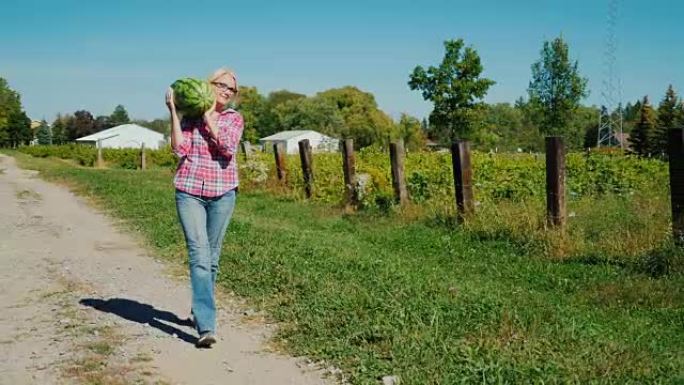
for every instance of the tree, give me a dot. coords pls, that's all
(583, 120)
(631, 116)
(80, 125)
(251, 107)
(19, 128)
(363, 120)
(276, 98)
(643, 134)
(631, 111)
(502, 128)
(680, 115)
(410, 131)
(310, 114)
(268, 121)
(667, 119)
(556, 88)
(455, 89)
(529, 138)
(425, 126)
(102, 122)
(10, 104)
(59, 134)
(43, 135)
(119, 116)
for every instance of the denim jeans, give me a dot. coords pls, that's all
(204, 221)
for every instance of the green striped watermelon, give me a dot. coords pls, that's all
(192, 96)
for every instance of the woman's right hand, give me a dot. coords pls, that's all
(169, 100)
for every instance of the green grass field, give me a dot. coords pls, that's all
(382, 295)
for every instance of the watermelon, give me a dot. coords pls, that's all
(192, 96)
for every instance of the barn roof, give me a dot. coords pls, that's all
(118, 130)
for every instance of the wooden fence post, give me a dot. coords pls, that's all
(349, 168)
(398, 179)
(281, 167)
(555, 182)
(100, 162)
(463, 178)
(246, 149)
(305, 156)
(143, 163)
(675, 153)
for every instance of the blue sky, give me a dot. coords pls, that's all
(63, 56)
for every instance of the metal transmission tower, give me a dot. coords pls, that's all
(610, 115)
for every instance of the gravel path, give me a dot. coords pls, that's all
(82, 300)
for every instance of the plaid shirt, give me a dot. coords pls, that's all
(208, 167)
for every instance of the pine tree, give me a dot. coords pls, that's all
(119, 116)
(643, 134)
(59, 135)
(667, 116)
(630, 116)
(43, 134)
(679, 115)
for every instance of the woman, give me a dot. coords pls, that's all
(206, 183)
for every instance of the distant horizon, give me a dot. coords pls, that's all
(66, 56)
(395, 118)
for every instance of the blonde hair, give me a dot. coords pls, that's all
(226, 71)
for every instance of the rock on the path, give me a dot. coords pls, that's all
(390, 380)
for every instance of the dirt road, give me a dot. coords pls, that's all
(81, 301)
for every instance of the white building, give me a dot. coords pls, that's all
(290, 139)
(126, 136)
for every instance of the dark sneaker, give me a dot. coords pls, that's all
(206, 340)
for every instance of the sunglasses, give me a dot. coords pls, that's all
(224, 87)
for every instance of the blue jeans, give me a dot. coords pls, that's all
(204, 221)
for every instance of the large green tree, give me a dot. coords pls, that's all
(455, 90)
(503, 128)
(556, 89)
(363, 120)
(10, 106)
(119, 116)
(345, 112)
(643, 135)
(19, 128)
(310, 114)
(268, 122)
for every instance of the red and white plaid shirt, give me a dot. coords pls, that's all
(208, 167)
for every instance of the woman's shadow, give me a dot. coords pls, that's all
(142, 313)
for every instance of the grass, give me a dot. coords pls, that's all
(377, 295)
